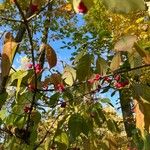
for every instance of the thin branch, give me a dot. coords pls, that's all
(10, 19)
(48, 131)
(121, 71)
(33, 61)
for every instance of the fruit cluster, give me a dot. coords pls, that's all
(117, 81)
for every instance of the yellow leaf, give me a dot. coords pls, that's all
(139, 20)
(67, 7)
(115, 64)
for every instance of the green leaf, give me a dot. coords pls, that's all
(101, 66)
(105, 90)
(19, 75)
(113, 93)
(111, 125)
(36, 117)
(3, 97)
(77, 125)
(20, 121)
(79, 56)
(83, 67)
(3, 113)
(54, 100)
(69, 75)
(106, 100)
(47, 143)
(124, 7)
(146, 140)
(62, 138)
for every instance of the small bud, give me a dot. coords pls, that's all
(27, 109)
(63, 104)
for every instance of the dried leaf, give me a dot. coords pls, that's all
(67, 7)
(126, 43)
(115, 64)
(144, 54)
(54, 79)
(8, 53)
(51, 56)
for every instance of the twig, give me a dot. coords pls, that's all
(10, 19)
(48, 132)
(129, 70)
(33, 61)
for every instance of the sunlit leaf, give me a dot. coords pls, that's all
(69, 75)
(83, 67)
(51, 56)
(115, 64)
(126, 43)
(124, 7)
(9, 49)
(62, 138)
(101, 66)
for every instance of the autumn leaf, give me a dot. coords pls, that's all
(8, 53)
(115, 64)
(126, 43)
(54, 79)
(51, 56)
(144, 54)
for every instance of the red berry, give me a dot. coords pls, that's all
(60, 87)
(38, 68)
(97, 77)
(118, 85)
(125, 82)
(82, 8)
(30, 66)
(34, 8)
(117, 77)
(27, 109)
(63, 104)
